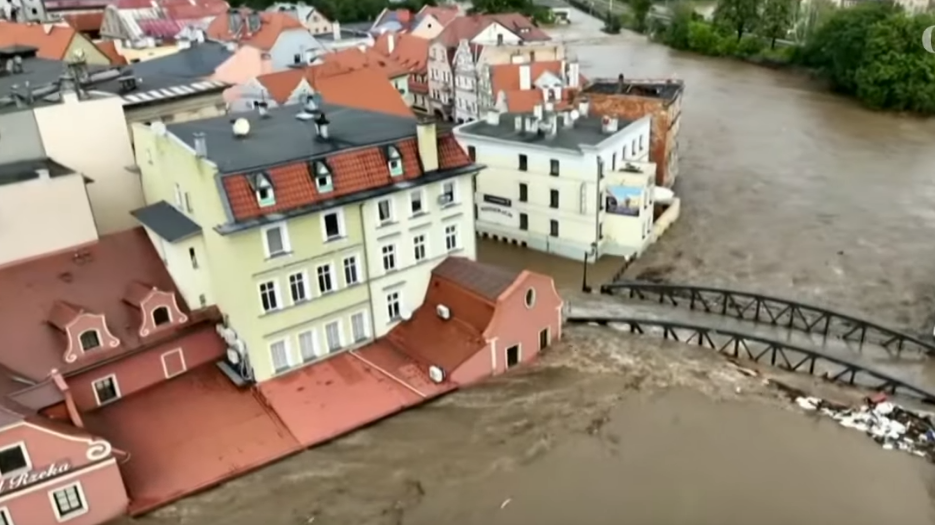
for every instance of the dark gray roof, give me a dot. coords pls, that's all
(485, 280)
(666, 90)
(184, 67)
(281, 137)
(36, 71)
(586, 131)
(23, 170)
(168, 222)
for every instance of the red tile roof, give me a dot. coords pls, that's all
(409, 51)
(352, 171)
(471, 291)
(506, 78)
(362, 89)
(85, 22)
(41, 294)
(109, 48)
(273, 25)
(468, 27)
(51, 40)
(354, 58)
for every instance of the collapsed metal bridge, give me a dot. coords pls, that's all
(766, 311)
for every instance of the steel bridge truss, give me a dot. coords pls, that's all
(775, 353)
(759, 308)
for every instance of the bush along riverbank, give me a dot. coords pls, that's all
(872, 52)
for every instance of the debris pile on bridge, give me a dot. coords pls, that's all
(892, 426)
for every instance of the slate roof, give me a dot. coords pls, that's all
(23, 170)
(485, 280)
(166, 221)
(586, 131)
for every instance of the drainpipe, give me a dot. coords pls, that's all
(73, 413)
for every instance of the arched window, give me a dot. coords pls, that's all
(90, 340)
(161, 316)
(530, 298)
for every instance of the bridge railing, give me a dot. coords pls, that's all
(781, 354)
(759, 308)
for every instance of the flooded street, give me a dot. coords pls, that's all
(785, 190)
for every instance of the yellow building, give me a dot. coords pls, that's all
(265, 218)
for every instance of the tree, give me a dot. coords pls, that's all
(740, 16)
(641, 10)
(809, 16)
(776, 20)
(524, 7)
(678, 33)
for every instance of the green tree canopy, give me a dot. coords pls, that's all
(777, 19)
(739, 16)
(524, 7)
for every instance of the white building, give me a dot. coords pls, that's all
(563, 182)
(407, 234)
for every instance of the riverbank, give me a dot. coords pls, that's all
(604, 425)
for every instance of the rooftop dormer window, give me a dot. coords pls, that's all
(394, 161)
(263, 187)
(90, 340)
(324, 182)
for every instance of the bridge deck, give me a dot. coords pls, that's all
(912, 367)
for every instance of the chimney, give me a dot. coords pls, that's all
(493, 117)
(583, 106)
(43, 173)
(525, 80)
(262, 108)
(621, 83)
(567, 120)
(553, 124)
(70, 405)
(184, 43)
(321, 126)
(201, 145)
(200, 36)
(427, 139)
(537, 111)
(336, 30)
(574, 75)
(518, 123)
(550, 106)
(609, 124)
(390, 43)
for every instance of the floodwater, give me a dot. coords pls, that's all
(786, 189)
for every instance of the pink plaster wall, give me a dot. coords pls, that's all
(81, 324)
(155, 300)
(476, 368)
(245, 64)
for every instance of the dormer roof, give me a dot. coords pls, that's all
(63, 313)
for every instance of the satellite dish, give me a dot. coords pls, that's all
(241, 127)
(233, 356)
(158, 127)
(405, 315)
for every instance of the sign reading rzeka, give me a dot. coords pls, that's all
(33, 476)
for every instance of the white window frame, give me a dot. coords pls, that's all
(392, 253)
(276, 292)
(356, 260)
(454, 190)
(100, 342)
(5, 518)
(286, 351)
(332, 278)
(366, 331)
(97, 398)
(178, 196)
(283, 233)
(152, 315)
(165, 367)
(22, 446)
(421, 195)
(399, 305)
(342, 229)
(391, 213)
(454, 231)
(334, 322)
(84, 502)
(306, 289)
(315, 350)
(416, 245)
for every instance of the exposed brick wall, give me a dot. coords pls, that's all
(633, 107)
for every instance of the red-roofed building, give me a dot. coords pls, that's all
(411, 52)
(282, 39)
(138, 23)
(54, 42)
(517, 88)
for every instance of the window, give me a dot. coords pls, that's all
(276, 240)
(264, 191)
(359, 326)
(333, 225)
(14, 459)
(389, 257)
(307, 346)
(325, 284)
(297, 58)
(642, 142)
(106, 389)
(178, 197)
(90, 340)
(269, 297)
(279, 354)
(523, 192)
(613, 162)
(500, 40)
(448, 192)
(188, 203)
(161, 316)
(350, 270)
(298, 287)
(333, 335)
(543, 338)
(5, 518)
(522, 163)
(418, 247)
(472, 153)
(523, 222)
(530, 298)
(193, 257)
(512, 356)
(451, 237)
(394, 161)
(323, 180)
(392, 306)
(553, 228)
(553, 168)
(415, 202)
(68, 502)
(553, 198)
(385, 211)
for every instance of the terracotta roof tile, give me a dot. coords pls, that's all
(41, 295)
(362, 89)
(86, 22)
(468, 27)
(409, 51)
(109, 48)
(353, 59)
(352, 172)
(274, 23)
(51, 40)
